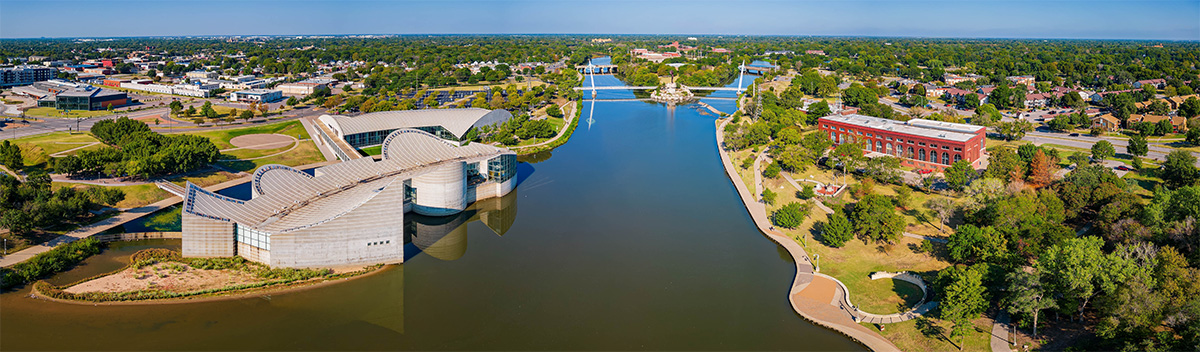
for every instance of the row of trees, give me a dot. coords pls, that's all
(136, 151)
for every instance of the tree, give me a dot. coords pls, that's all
(1075, 269)
(1122, 106)
(291, 101)
(1079, 159)
(875, 217)
(790, 215)
(771, 171)
(1190, 107)
(191, 110)
(837, 231)
(1103, 150)
(807, 192)
(965, 299)
(176, 107)
(554, 111)
(10, 156)
(971, 244)
(1137, 146)
(1193, 136)
(768, 196)
(1180, 169)
(1026, 295)
(959, 174)
(1041, 169)
(1015, 130)
(903, 197)
(247, 114)
(818, 110)
(943, 209)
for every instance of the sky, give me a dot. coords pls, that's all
(1069, 19)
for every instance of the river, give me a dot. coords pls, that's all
(628, 237)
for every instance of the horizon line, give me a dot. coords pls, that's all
(601, 34)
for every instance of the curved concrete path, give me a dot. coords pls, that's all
(821, 313)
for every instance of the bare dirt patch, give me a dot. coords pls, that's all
(168, 276)
(261, 141)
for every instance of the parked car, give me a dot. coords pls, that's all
(1124, 168)
(1074, 135)
(924, 171)
(1052, 112)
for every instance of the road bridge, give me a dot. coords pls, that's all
(585, 69)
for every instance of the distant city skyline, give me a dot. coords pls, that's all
(1117, 19)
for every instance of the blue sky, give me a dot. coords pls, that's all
(1147, 19)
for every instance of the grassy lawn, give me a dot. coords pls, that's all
(928, 334)
(305, 153)
(57, 141)
(368, 151)
(135, 196)
(221, 137)
(52, 112)
(254, 153)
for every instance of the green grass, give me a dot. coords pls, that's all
(305, 153)
(254, 153)
(55, 142)
(52, 112)
(135, 195)
(221, 137)
(928, 334)
(376, 150)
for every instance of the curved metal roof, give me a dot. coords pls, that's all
(457, 121)
(286, 199)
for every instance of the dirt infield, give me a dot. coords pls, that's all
(262, 141)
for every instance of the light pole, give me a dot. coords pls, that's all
(817, 258)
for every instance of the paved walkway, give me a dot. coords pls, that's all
(820, 313)
(1000, 340)
(119, 219)
(570, 114)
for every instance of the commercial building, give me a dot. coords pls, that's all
(180, 89)
(256, 96)
(919, 143)
(24, 74)
(304, 87)
(84, 98)
(201, 74)
(345, 213)
(372, 129)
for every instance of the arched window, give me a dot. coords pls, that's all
(921, 155)
(878, 146)
(889, 148)
(832, 136)
(910, 153)
(957, 157)
(945, 158)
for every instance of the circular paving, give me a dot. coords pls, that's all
(262, 141)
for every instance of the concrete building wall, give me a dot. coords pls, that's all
(370, 234)
(442, 191)
(203, 237)
(253, 253)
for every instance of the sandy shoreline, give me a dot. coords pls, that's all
(232, 295)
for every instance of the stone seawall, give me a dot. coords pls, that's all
(820, 313)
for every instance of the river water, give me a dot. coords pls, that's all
(629, 237)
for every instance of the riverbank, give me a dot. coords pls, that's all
(820, 312)
(159, 276)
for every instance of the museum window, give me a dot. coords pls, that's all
(921, 155)
(945, 158)
(502, 168)
(252, 237)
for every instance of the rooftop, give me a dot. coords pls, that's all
(287, 199)
(918, 127)
(258, 91)
(457, 121)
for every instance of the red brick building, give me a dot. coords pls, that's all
(923, 144)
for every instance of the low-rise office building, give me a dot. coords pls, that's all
(256, 96)
(304, 87)
(85, 98)
(346, 213)
(919, 143)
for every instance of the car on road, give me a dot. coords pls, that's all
(1124, 168)
(1074, 134)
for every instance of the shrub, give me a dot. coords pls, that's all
(769, 196)
(53, 261)
(806, 193)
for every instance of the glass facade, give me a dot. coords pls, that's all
(252, 237)
(410, 193)
(502, 168)
(367, 139)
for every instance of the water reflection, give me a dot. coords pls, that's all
(445, 237)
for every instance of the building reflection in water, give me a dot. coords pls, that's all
(445, 237)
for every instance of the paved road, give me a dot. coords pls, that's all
(48, 125)
(1156, 152)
